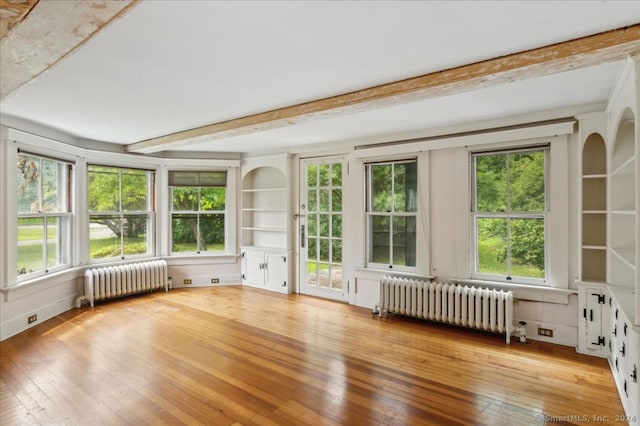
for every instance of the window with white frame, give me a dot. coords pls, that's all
(44, 204)
(391, 210)
(198, 211)
(120, 202)
(509, 214)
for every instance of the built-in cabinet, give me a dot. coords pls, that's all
(608, 287)
(265, 223)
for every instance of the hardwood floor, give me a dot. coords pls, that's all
(228, 355)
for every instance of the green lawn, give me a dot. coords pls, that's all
(489, 250)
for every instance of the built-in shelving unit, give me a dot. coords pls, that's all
(594, 209)
(264, 213)
(622, 255)
(266, 224)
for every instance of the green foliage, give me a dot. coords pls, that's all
(511, 183)
(197, 226)
(114, 250)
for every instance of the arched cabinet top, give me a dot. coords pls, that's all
(594, 155)
(266, 177)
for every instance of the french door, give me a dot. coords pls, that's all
(320, 214)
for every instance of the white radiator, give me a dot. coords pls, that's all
(122, 280)
(480, 308)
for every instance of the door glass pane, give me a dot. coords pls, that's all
(324, 249)
(323, 275)
(312, 202)
(312, 176)
(336, 251)
(323, 174)
(312, 273)
(312, 222)
(336, 200)
(324, 200)
(312, 252)
(336, 174)
(324, 225)
(336, 225)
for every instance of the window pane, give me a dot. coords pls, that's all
(527, 247)
(212, 232)
(103, 189)
(381, 187)
(104, 237)
(134, 190)
(491, 183)
(135, 234)
(492, 246)
(30, 245)
(404, 241)
(336, 174)
(185, 199)
(212, 198)
(380, 229)
(312, 273)
(53, 186)
(184, 228)
(28, 182)
(405, 185)
(526, 182)
(55, 242)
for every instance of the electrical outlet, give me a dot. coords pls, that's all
(547, 332)
(32, 318)
(186, 282)
(215, 280)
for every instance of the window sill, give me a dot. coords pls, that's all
(35, 285)
(536, 293)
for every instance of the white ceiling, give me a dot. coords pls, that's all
(168, 66)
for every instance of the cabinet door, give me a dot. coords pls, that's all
(632, 366)
(276, 272)
(253, 268)
(593, 317)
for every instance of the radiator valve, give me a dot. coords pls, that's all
(522, 331)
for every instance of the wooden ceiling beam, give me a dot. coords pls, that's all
(47, 32)
(587, 51)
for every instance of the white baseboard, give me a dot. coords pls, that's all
(205, 280)
(562, 334)
(18, 324)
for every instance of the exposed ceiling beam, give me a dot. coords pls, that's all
(570, 55)
(50, 31)
(12, 12)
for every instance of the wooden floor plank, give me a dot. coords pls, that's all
(234, 356)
